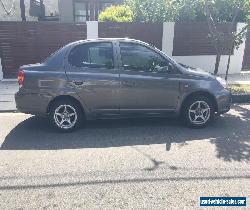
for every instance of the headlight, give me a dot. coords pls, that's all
(222, 82)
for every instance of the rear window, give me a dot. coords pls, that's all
(56, 58)
(92, 55)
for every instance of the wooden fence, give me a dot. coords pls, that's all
(31, 42)
(147, 32)
(192, 39)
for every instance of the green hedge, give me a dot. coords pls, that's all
(117, 14)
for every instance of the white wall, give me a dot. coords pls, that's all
(92, 29)
(66, 11)
(206, 62)
(168, 38)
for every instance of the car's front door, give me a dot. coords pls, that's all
(149, 82)
(92, 70)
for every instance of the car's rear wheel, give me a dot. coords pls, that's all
(198, 111)
(65, 115)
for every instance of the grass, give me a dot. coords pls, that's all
(240, 88)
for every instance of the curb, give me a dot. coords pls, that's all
(9, 111)
(241, 98)
(8, 80)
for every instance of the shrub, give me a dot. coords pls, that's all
(117, 14)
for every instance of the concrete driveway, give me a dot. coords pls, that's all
(123, 164)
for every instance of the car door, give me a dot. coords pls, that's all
(92, 70)
(149, 81)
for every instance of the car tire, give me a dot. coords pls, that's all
(65, 115)
(198, 111)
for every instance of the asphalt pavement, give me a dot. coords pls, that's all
(123, 164)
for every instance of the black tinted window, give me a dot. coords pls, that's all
(93, 55)
(140, 58)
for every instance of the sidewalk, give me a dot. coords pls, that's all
(7, 100)
(8, 90)
(243, 78)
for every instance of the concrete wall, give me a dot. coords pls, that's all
(206, 62)
(66, 11)
(92, 29)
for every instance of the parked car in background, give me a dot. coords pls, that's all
(117, 78)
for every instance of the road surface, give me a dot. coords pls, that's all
(123, 164)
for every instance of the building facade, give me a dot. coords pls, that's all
(83, 10)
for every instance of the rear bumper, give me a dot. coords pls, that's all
(31, 103)
(224, 101)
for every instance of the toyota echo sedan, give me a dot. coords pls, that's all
(118, 78)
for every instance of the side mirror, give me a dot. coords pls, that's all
(171, 68)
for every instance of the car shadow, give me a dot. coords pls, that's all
(229, 133)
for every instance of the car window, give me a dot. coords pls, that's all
(140, 58)
(92, 55)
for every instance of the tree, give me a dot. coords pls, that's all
(8, 11)
(238, 36)
(237, 39)
(166, 10)
(232, 38)
(116, 14)
(212, 11)
(22, 8)
(149, 10)
(188, 10)
(184, 10)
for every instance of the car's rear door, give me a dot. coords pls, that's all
(92, 70)
(148, 84)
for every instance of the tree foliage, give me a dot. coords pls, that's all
(186, 10)
(224, 10)
(117, 14)
(149, 10)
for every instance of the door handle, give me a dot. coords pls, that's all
(78, 83)
(128, 84)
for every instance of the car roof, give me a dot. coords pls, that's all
(111, 39)
(108, 39)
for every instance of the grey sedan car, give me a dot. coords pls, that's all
(118, 78)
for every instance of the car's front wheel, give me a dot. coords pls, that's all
(65, 115)
(198, 111)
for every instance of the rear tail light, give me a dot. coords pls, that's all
(20, 78)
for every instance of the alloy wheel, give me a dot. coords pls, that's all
(199, 112)
(65, 116)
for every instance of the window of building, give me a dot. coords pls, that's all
(81, 11)
(85, 11)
